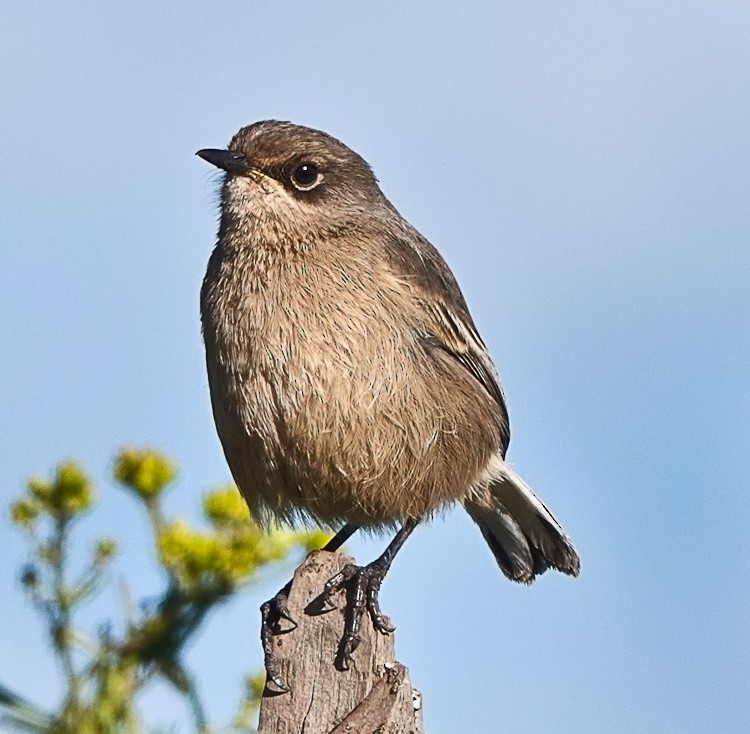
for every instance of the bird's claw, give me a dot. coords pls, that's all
(272, 612)
(363, 586)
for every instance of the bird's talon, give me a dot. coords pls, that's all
(283, 612)
(384, 625)
(326, 606)
(272, 612)
(275, 684)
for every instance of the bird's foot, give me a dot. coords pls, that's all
(362, 584)
(272, 612)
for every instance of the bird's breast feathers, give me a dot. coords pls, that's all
(335, 395)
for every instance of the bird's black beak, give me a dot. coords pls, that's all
(228, 160)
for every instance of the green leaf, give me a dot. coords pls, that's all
(18, 713)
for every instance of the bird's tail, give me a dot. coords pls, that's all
(521, 532)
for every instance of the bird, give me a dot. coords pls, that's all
(349, 384)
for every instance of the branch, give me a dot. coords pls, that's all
(375, 695)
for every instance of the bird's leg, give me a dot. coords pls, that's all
(277, 608)
(340, 538)
(364, 587)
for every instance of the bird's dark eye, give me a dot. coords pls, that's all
(306, 176)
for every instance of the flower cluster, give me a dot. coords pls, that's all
(144, 471)
(66, 495)
(203, 568)
(232, 550)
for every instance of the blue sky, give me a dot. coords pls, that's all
(584, 168)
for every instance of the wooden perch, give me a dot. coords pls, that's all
(373, 697)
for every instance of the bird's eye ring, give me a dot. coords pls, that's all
(306, 176)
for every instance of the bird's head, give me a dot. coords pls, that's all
(293, 181)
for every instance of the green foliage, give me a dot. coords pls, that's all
(104, 673)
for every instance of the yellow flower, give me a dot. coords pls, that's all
(312, 540)
(69, 493)
(226, 506)
(228, 556)
(25, 511)
(199, 558)
(144, 471)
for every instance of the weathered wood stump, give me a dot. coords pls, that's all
(373, 697)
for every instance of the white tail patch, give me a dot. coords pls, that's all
(522, 533)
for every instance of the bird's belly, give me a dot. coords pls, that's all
(322, 433)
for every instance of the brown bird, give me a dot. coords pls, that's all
(349, 385)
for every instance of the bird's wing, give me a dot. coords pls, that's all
(448, 325)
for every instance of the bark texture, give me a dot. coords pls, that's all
(373, 697)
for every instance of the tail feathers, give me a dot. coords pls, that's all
(521, 532)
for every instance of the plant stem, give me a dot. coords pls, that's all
(61, 630)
